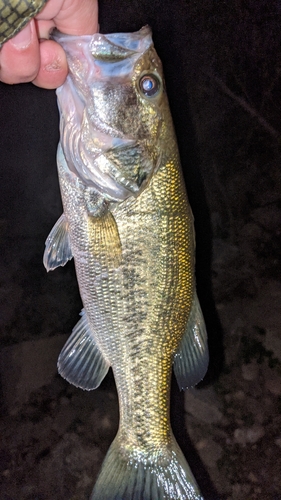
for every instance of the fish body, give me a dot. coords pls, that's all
(129, 227)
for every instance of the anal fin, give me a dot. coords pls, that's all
(80, 362)
(192, 358)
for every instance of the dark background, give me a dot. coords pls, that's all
(222, 64)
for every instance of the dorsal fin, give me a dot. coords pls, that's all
(192, 358)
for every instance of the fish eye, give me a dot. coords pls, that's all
(149, 85)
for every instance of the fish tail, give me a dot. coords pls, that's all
(129, 475)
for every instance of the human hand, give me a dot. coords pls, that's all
(31, 57)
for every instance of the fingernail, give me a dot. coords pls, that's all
(23, 38)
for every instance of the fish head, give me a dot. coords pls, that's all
(113, 107)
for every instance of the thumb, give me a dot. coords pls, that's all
(53, 68)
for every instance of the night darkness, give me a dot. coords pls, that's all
(222, 65)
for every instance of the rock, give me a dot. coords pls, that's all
(240, 436)
(258, 490)
(8, 306)
(29, 491)
(273, 385)
(244, 435)
(265, 309)
(209, 451)
(64, 401)
(267, 216)
(26, 367)
(74, 459)
(273, 343)
(223, 253)
(278, 442)
(255, 433)
(203, 404)
(253, 478)
(106, 423)
(240, 491)
(250, 371)
(239, 395)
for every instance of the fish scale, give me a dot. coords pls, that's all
(129, 227)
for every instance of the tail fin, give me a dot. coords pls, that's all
(161, 475)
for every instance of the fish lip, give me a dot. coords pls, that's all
(144, 31)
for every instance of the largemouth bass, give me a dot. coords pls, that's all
(129, 227)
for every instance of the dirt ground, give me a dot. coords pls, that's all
(52, 446)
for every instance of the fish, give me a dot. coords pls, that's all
(129, 227)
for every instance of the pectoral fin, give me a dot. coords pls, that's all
(192, 358)
(80, 362)
(105, 239)
(58, 251)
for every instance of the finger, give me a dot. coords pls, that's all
(73, 17)
(44, 28)
(53, 68)
(20, 57)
